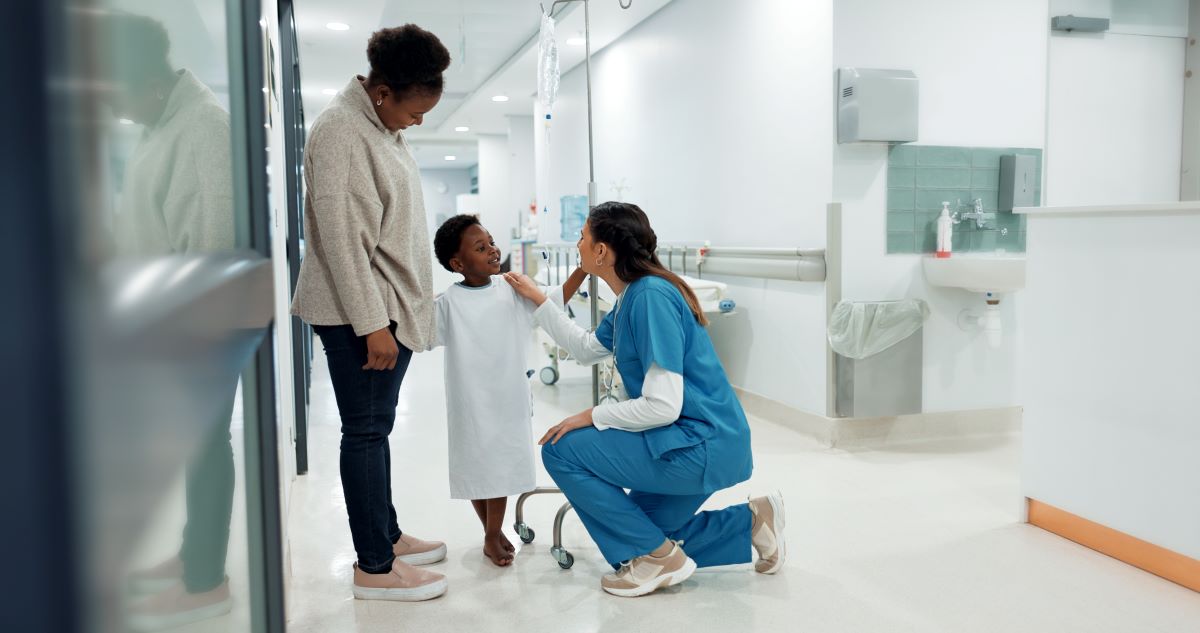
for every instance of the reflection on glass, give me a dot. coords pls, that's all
(177, 194)
(169, 458)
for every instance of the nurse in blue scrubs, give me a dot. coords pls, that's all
(637, 471)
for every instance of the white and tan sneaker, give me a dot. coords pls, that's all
(158, 578)
(414, 551)
(404, 583)
(647, 574)
(766, 534)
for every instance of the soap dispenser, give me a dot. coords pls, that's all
(945, 232)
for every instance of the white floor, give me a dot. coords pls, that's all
(915, 538)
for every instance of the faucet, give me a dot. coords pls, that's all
(977, 213)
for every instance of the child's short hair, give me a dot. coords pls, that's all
(449, 237)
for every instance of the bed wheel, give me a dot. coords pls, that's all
(525, 533)
(564, 558)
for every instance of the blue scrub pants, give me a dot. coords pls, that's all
(593, 468)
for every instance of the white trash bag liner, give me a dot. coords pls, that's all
(861, 329)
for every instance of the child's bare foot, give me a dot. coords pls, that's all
(493, 548)
(508, 546)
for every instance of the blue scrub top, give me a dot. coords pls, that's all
(653, 324)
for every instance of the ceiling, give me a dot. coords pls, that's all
(493, 44)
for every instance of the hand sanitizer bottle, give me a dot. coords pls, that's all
(945, 232)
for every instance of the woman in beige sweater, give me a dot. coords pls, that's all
(366, 288)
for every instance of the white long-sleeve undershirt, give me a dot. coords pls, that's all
(662, 391)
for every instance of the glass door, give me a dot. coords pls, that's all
(151, 462)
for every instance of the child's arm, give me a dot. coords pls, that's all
(440, 324)
(572, 285)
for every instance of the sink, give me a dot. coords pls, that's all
(977, 272)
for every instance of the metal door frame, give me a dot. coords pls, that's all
(248, 123)
(293, 131)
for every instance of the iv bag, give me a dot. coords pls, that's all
(547, 65)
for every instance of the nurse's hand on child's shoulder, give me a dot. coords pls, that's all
(526, 287)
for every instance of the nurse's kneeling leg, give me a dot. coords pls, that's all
(712, 538)
(593, 468)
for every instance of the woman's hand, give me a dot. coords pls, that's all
(525, 287)
(580, 420)
(382, 351)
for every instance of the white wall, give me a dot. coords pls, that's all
(982, 70)
(495, 201)
(1111, 427)
(521, 185)
(718, 117)
(1114, 119)
(457, 181)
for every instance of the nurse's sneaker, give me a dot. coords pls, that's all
(766, 533)
(646, 574)
(404, 583)
(414, 551)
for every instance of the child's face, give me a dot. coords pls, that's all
(477, 254)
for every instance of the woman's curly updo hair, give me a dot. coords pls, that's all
(407, 59)
(626, 229)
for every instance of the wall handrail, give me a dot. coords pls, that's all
(699, 259)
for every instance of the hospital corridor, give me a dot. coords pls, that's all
(556, 316)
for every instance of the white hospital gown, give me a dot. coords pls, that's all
(486, 332)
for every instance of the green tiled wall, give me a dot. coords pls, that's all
(920, 177)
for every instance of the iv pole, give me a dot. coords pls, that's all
(593, 287)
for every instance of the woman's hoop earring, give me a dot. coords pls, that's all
(379, 103)
(599, 264)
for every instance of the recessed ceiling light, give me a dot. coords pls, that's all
(462, 128)
(337, 26)
(500, 98)
(329, 91)
(126, 122)
(576, 41)
(451, 157)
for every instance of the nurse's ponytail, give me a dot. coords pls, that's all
(626, 229)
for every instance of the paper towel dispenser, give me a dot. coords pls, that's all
(877, 105)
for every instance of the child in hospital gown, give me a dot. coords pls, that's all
(486, 330)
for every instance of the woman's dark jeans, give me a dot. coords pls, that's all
(366, 400)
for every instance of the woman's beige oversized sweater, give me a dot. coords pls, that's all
(367, 260)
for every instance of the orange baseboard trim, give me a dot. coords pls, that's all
(1179, 569)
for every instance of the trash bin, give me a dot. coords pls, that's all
(877, 357)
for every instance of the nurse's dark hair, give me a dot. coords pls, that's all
(408, 59)
(448, 239)
(626, 230)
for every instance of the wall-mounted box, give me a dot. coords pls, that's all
(1070, 23)
(877, 105)
(1018, 182)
